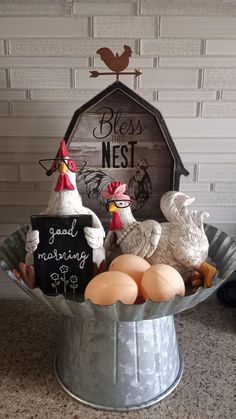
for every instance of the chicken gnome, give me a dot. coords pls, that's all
(65, 200)
(181, 242)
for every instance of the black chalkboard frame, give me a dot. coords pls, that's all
(63, 259)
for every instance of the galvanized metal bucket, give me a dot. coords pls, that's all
(120, 357)
(119, 366)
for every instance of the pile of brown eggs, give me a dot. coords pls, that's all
(131, 279)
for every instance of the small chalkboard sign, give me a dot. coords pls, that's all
(63, 258)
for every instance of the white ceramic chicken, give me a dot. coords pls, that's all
(125, 234)
(66, 200)
(180, 243)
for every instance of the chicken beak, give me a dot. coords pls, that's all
(112, 208)
(63, 168)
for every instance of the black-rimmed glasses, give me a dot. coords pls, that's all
(52, 165)
(119, 203)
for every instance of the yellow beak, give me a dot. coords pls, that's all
(112, 208)
(63, 168)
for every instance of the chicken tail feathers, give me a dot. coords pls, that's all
(95, 181)
(106, 54)
(174, 206)
(198, 218)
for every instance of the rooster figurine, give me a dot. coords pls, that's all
(181, 242)
(139, 185)
(123, 224)
(65, 200)
(116, 63)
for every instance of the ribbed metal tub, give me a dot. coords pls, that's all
(119, 366)
(120, 357)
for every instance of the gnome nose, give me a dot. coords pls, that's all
(63, 168)
(112, 208)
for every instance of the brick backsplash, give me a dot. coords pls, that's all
(192, 27)
(188, 8)
(219, 78)
(197, 62)
(1, 47)
(30, 127)
(4, 108)
(40, 78)
(228, 94)
(32, 26)
(3, 78)
(221, 47)
(169, 78)
(187, 95)
(219, 109)
(52, 62)
(129, 27)
(67, 47)
(35, 8)
(11, 94)
(105, 9)
(169, 47)
(202, 127)
(186, 50)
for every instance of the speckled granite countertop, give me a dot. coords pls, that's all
(28, 388)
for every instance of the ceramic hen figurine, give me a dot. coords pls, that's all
(180, 243)
(123, 224)
(65, 200)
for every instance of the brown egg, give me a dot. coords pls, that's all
(161, 283)
(109, 287)
(132, 265)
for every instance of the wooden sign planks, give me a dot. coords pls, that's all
(123, 138)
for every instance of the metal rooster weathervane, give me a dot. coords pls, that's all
(116, 63)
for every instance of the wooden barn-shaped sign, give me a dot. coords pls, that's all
(124, 138)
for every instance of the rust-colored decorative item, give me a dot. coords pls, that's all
(116, 63)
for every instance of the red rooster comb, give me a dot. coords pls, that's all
(116, 190)
(63, 152)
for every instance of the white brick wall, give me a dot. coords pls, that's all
(3, 78)
(192, 27)
(169, 78)
(40, 78)
(43, 26)
(168, 47)
(129, 27)
(59, 47)
(1, 47)
(187, 52)
(105, 9)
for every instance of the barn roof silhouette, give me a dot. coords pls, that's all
(119, 89)
(137, 134)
